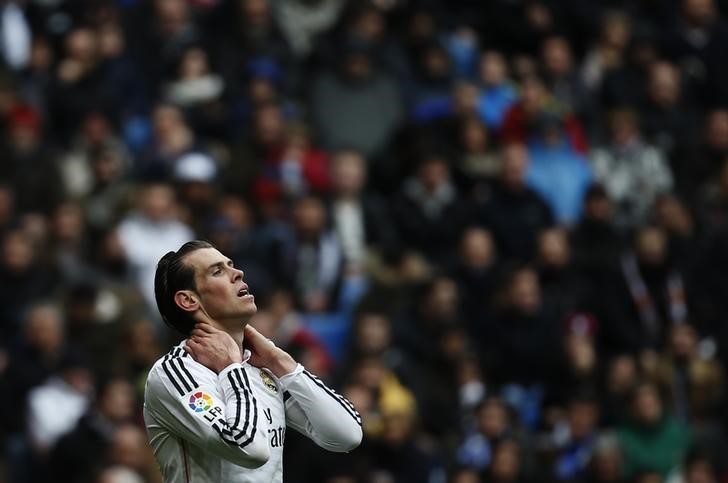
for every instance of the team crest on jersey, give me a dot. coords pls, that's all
(268, 382)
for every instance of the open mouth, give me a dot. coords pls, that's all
(243, 292)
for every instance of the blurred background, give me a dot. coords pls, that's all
(499, 227)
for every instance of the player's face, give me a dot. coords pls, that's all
(224, 296)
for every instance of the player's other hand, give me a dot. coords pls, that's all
(212, 347)
(264, 353)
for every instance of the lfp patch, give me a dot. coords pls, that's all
(200, 402)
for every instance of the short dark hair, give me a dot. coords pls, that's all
(172, 276)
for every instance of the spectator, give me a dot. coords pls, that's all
(653, 440)
(397, 455)
(513, 211)
(146, 235)
(26, 154)
(294, 169)
(609, 52)
(556, 171)
(94, 136)
(646, 298)
(194, 84)
(607, 462)
(694, 381)
(580, 367)
(574, 453)
(25, 279)
(562, 77)
(521, 121)
(357, 105)
(713, 211)
(195, 177)
(597, 245)
(431, 83)
(493, 424)
(360, 218)
(78, 455)
(498, 93)
(119, 474)
(477, 163)
(697, 467)
(632, 172)
(699, 19)
(109, 193)
(129, 449)
(563, 288)
(302, 22)
(507, 466)
(622, 374)
(427, 210)
(313, 258)
(33, 358)
(520, 348)
(55, 406)
(172, 137)
(667, 121)
(476, 272)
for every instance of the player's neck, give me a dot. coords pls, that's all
(234, 328)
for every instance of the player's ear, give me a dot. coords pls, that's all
(186, 300)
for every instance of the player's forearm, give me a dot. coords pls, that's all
(328, 418)
(245, 428)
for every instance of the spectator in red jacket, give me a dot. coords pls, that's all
(522, 118)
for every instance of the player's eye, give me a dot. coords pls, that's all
(217, 271)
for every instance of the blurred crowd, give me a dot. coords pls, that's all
(499, 227)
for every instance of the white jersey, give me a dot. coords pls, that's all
(230, 427)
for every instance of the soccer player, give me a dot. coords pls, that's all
(217, 406)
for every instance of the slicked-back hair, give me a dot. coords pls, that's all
(172, 276)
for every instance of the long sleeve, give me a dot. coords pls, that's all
(317, 411)
(218, 413)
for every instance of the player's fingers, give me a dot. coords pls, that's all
(251, 333)
(205, 327)
(255, 337)
(189, 349)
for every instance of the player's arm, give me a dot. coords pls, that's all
(218, 412)
(312, 408)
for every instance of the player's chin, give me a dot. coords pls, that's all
(250, 308)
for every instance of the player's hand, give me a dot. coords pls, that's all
(212, 347)
(264, 353)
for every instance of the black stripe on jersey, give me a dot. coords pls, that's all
(248, 395)
(247, 381)
(226, 432)
(181, 363)
(255, 411)
(339, 399)
(172, 364)
(238, 401)
(286, 396)
(226, 428)
(179, 374)
(171, 378)
(223, 435)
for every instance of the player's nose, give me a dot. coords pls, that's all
(238, 274)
